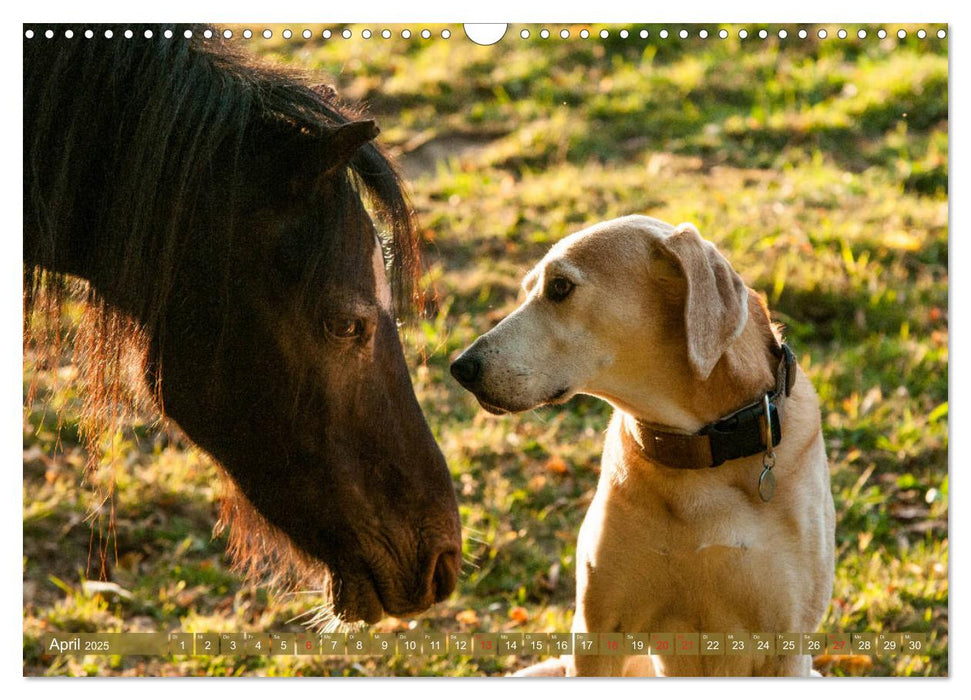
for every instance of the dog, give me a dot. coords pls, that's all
(713, 511)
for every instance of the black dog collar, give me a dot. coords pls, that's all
(741, 434)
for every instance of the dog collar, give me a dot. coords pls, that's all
(740, 434)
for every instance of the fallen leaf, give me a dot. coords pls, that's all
(468, 617)
(908, 512)
(901, 240)
(557, 465)
(519, 614)
(106, 589)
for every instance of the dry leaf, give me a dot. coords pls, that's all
(468, 617)
(537, 482)
(557, 465)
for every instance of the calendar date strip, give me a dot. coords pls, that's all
(421, 643)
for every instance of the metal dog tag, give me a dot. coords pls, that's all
(767, 484)
(767, 478)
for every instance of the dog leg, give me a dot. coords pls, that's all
(592, 666)
(801, 665)
(640, 667)
(556, 667)
(798, 666)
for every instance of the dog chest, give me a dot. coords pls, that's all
(646, 567)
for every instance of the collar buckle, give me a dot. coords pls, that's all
(752, 429)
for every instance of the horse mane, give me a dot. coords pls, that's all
(132, 162)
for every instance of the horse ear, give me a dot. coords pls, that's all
(340, 144)
(715, 303)
(321, 155)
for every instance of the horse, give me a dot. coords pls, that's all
(214, 216)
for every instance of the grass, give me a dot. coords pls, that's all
(818, 166)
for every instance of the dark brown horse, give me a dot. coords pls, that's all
(212, 209)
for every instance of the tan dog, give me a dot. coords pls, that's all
(654, 320)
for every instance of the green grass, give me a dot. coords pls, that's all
(818, 166)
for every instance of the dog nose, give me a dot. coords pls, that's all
(467, 370)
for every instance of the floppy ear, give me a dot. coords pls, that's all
(715, 304)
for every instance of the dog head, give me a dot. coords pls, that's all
(623, 310)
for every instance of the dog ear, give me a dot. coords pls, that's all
(715, 303)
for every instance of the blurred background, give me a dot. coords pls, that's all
(819, 166)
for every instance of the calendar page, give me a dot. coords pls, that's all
(336, 334)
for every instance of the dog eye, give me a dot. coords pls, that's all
(559, 288)
(345, 327)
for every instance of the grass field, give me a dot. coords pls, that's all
(819, 166)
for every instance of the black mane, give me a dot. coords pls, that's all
(125, 138)
(136, 149)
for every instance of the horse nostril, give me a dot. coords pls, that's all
(466, 370)
(446, 574)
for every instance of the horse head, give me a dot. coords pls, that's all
(220, 205)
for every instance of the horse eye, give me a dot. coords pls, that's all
(346, 327)
(559, 288)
